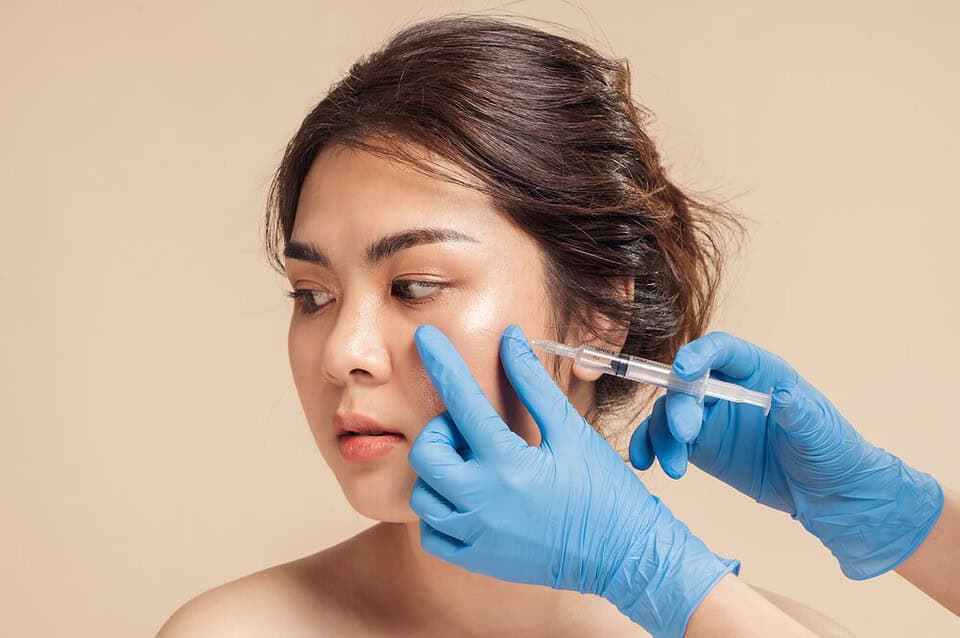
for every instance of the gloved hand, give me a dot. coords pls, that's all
(868, 507)
(568, 514)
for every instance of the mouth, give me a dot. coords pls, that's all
(370, 434)
(362, 439)
(351, 424)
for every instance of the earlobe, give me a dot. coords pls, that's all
(616, 336)
(586, 374)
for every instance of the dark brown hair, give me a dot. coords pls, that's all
(550, 132)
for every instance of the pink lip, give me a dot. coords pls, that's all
(365, 447)
(354, 438)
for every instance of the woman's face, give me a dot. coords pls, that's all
(355, 353)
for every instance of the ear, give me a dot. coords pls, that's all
(611, 337)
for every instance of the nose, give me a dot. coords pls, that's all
(355, 348)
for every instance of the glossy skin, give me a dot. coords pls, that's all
(357, 354)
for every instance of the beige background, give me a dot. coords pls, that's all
(153, 444)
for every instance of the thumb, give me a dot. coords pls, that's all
(797, 414)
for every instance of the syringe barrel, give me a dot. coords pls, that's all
(733, 392)
(662, 375)
(638, 369)
(599, 359)
(659, 374)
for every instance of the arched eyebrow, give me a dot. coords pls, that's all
(379, 249)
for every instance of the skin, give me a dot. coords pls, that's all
(933, 568)
(357, 354)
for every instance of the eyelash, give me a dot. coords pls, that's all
(302, 297)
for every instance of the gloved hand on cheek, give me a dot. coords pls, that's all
(568, 514)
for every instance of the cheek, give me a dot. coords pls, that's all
(485, 312)
(297, 351)
(301, 351)
(480, 351)
(427, 396)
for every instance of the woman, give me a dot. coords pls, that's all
(472, 173)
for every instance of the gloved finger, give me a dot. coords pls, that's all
(426, 501)
(671, 452)
(710, 450)
(485, 432)
(641, 451)
(797, 414)
(723, 352)
(434, 457)
(547, 404)
(684, 415)
(438, 543)
(439, 513)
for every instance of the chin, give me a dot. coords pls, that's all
(382, 494)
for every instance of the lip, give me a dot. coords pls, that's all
(347, 422)
(355, 442)
(366, 447)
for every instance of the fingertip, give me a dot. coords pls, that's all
(432, 441)
(424, 331)
(427, 502)
(684, 416)
(425, 338)
(786, 408)
(514, 330)
(675, 466)
(514, 341)
(558, 421)
(640, 450)
(784, 397)
(671, 452)
(794, 411)
(690, 364)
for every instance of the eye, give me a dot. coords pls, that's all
(305, 301)
(414, 291)
(410, 291)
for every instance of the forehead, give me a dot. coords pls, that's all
(359, 194)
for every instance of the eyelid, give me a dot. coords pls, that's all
(303, 295)
(438, 286)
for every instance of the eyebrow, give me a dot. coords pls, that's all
(379, 249)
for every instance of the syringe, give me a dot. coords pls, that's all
(646, 371)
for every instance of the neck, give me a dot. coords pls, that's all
(460, 602)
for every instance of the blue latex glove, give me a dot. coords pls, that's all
(568, 514)
(867, 506)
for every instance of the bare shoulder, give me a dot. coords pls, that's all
(290, 600)
(810, 618)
